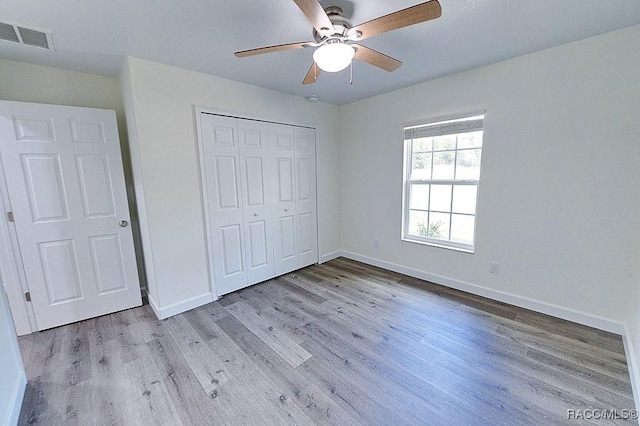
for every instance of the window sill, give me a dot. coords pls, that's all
(439, 245)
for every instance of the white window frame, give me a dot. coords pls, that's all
(439, 127)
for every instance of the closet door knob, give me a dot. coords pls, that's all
(286, 210)
(124, 223)
(255, 214)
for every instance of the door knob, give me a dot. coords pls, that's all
(124, 223)
(286, 210)
(255, 214)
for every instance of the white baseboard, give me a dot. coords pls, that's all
(568, 314)
(330, 256)
(15, 400)
(180, 307)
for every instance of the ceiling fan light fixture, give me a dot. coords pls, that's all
(333, 57)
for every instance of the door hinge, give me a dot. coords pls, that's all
(27, 296)
(10, 216)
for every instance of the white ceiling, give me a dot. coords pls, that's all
(201, 35)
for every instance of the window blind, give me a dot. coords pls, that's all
(446, 128)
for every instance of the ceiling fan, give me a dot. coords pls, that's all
(335, 37)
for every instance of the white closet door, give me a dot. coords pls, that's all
(285, 241)
(224, 196)
(256, 167)
(305, 196)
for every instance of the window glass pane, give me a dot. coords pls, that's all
(418, 223)
(468, 164)
(422, 145)
(421, 166)
(462, 228)
(444, 142)
(470, 140)
(464, 199)
(419, 196)
(438, 226)
(443, 164)
(441, 198)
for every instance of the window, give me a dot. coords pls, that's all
(442, 172)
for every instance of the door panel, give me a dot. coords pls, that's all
(259, 243)
(227, 182)
(257, 208)
(66, 188)
(285, 241)
(306, 241)
(285, 179)
(47, 194)
(287, 238)
(87, 132)
(224, 195)
(33, 129)
(254, 178)
(106, 253)
(95, 185)
(306, 216)
(231, 238)
(61, 272)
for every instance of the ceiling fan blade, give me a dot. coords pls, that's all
(269, 49)
(312, 74)
(402, 18)
(314, 11)
(376, 58)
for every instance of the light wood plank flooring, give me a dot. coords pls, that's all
(340, 343)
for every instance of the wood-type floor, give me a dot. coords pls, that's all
(341, 343)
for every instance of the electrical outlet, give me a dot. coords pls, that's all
(376, 243)
(493, 267)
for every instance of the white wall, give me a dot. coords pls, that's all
(559, 193)
(34, 83)
(160, 101)
(13, 380)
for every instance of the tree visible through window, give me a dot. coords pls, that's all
(442, 172)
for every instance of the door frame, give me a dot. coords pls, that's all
(11, 269)
(198, 111)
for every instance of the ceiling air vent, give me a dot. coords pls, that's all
(27, 36)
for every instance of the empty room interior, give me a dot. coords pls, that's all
(320, 212)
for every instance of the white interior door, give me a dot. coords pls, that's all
(285, 242)
(305, 196)
(224, 197)
(65, 181)
(256, 168)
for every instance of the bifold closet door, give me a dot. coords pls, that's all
(285, 241)
(260, 181)
(305, 196)
(222, 183)
(256, 176)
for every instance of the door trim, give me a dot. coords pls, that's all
(11, 271)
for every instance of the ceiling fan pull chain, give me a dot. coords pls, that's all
(351, 74)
